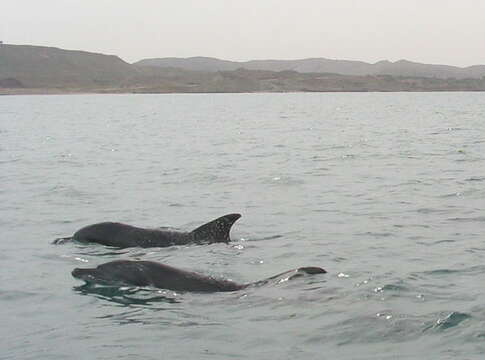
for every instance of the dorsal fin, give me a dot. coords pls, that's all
(217, 230)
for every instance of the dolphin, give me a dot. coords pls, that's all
(149, 273)
(124, 236)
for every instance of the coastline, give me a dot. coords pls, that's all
(37, 70)
(120, 91)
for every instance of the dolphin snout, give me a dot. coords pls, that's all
(76, 272)
(81, 273)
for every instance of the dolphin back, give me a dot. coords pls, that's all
(149, 273)
(215, 231)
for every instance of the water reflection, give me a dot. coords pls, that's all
(127, 295)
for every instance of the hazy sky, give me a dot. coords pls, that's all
(431, 31)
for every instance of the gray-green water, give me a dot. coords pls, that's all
(384, 191)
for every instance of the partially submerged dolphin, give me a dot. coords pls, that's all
(123, 236)
(149, 273)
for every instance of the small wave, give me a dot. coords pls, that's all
(443, 241)
(375, 234)
(270, 237)
(127, 295)
(431, 211)
(472, 270)
(451, 195)
(285, 181)
(451, 320)
(441, 272)
(175, 205)
(394, 287)
(476, 178)
(101, 252)
(468, 219)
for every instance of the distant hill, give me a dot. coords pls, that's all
(322, 65)
(37, 69)
(38, 66)
(243, 80)
(198, 63)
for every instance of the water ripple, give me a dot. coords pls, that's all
(382, 190)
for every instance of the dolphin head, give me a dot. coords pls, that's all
(88, 275)
(121, 272)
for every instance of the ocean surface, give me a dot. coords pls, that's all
(386, 191)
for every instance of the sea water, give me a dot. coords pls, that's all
(386, 191)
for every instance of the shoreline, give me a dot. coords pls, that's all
(50, 91)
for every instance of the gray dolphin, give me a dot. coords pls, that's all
(123, 236)
(149, 273)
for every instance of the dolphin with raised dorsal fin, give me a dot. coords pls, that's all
(124, 236)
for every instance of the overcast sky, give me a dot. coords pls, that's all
(430, 31)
